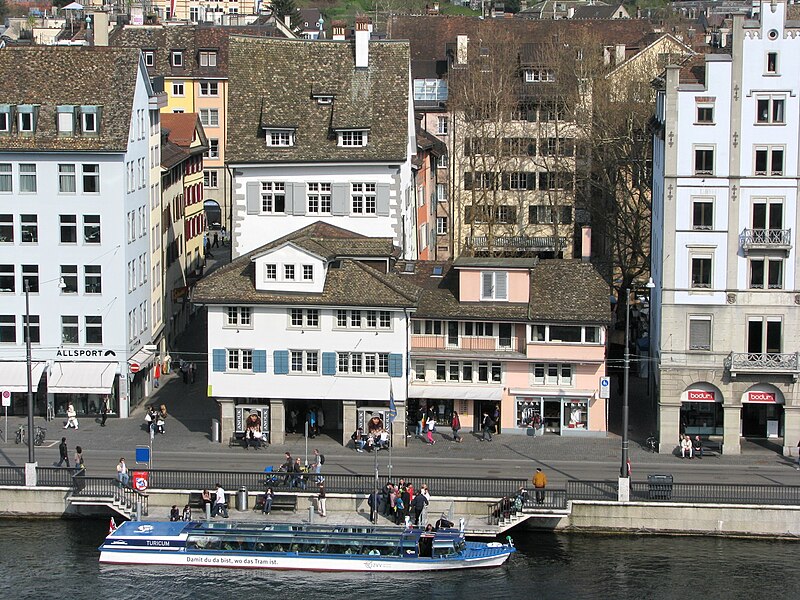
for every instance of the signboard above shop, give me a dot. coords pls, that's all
(701, 396)
(762, 397)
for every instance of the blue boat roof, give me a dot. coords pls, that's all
(150, 529)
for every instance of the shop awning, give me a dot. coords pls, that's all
(455, 392)
(142, 359)
(81, 378)
(14, 375)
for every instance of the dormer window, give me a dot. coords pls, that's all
(65, 119)
(288, 272)
(324, 100)
(494, 285)
(176, 58)
(281, 138)
(5, 118)
(26, 118)
(539, 75)
(90, 119)
(208, 58)
(353, 138)
(149, 58)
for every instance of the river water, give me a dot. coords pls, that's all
(59, 560)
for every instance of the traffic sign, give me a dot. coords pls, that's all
(605, 387)
(6, 396)
(142, 455)
(134, 367)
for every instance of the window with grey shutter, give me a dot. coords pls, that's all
(700, 333)
(500, 285)
(487, 285)
(298, 199)
(382, 193)
(339, 197)
(253, 200)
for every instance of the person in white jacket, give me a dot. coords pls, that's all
(72, 417)
(686, 446)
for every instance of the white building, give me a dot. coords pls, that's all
(320, 131)
(76, 138)
(725, 326)
(314, 320)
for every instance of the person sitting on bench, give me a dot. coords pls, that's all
(697, 447)
(686, 446)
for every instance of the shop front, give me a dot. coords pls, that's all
(85, 385)
(556, 415)
(762, 412)
(470, 402)
(701, 410)
(140, 366)
(14, 379)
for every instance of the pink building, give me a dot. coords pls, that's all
(520, 335)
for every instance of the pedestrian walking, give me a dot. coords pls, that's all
(62, 453)
(373, 501)
(216, 240)
(319, 460)
(192, 372)
(424, 491)
(79, 476)
(183, 367)
(269, 496)
(122, 473)
(224, 235)
(418, 505)
(320, 420)
(220, 506)
(496, 418)
(161, 416)
(321, 501)
(156, 374)
(537, 423)
(72, 417)
(455, 424)
(487, 424)
(539, 484)
(104, 410)
(429, 427)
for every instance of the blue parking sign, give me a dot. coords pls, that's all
(142, 454)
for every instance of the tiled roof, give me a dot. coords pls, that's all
(429, 35)
(564, 290)
(172, 154)
(595, 12)
(271, 82)
(352, 283)
(49, 76)
(190, 39)
(181, 127)
(495, 262)
(694, 70)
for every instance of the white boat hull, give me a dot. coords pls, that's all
(293, 562)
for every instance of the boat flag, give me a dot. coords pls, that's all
(392, 405)
(112, 526)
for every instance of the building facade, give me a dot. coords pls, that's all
(74, 178)
(315, 321)
(725, 328)
(330, 144)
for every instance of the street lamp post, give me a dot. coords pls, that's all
(624, 489)
(31, 457)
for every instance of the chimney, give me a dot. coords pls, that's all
(337, 28)
(586, 243)
(461, 49)
(570, 12)
(362, 42)
(100, 28)
(620, 54)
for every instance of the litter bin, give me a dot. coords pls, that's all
(215, 430)
(660, 487)
(241, 499)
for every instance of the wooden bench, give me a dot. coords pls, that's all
(279, 502)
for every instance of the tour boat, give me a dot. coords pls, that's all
(297, 546)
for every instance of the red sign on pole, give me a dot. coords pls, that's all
(701, 396)
(141, 480)
(134, 367)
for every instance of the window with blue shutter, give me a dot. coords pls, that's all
(329, 363)
(259, 361)
(395, 365)
(218, 360)
(281, 358)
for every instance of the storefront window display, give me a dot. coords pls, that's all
(442, 410)
(576, 414)
(701, 418)
(556, 414)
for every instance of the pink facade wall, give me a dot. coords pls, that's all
(469, 281)
(566, 352)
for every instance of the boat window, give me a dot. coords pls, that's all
(425, 546)
(203, 542)
(442, 549)
(344, 546)
(372, 549)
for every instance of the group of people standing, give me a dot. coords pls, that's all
(155, 418)
(401, 503)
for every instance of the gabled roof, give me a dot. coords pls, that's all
(596, 12)
(181, 129)
(351, 283)
(271, 84)
(49, 76)
(430, 35)
(566, 290)
(191, 39)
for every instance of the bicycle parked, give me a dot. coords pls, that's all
(39, 434)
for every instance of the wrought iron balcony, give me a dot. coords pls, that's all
(766, 239)
(548, 243)
(763, 363)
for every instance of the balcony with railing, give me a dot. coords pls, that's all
(766, 239)
(467, 343)
(521, 243)
(763, 363)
